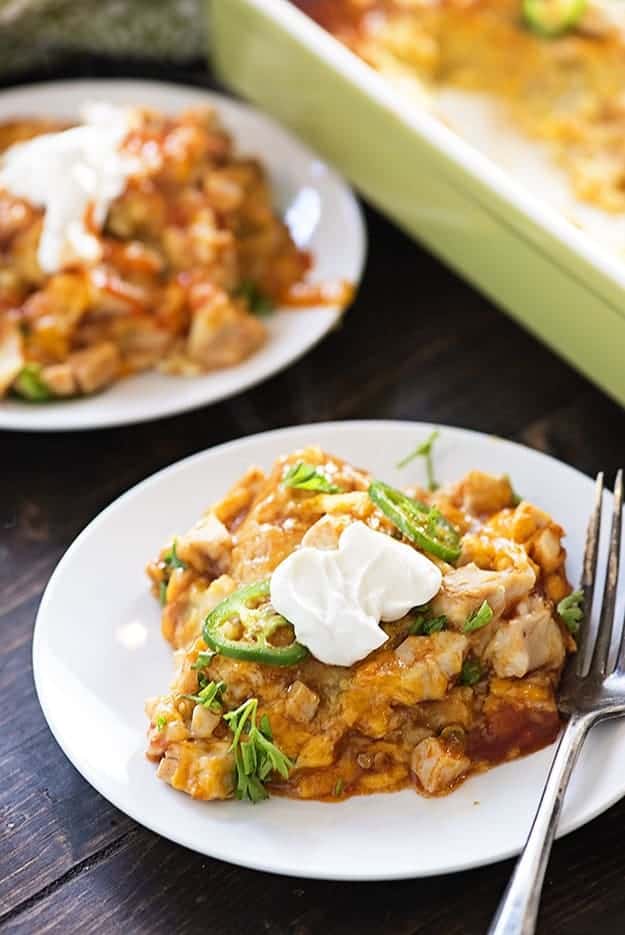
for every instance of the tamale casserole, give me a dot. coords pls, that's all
(335, 636)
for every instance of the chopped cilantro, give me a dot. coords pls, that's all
(257, 302)
(171, 558)
(257, 757)
(471, 672)
(424, 450)
(162, 593)
(571, 610)
(210, 696)
(423, 625)
(479, 618)
(203, 659)
(303, 476)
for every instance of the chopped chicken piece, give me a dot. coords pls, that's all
(483, 493)
(204, 772)
(96, 366)
(59, 378)
(301, 702)
(175, 731)
(526, 520)
(465, 589)
(207, 543)
(204, 721)
(528, 641)
(437, 765)
(547, 551)
(166, 726)
(326, 532)
(422, 667)
(446, 648)
(221, 334)
(143, 343)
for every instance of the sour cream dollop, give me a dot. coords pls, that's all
(611, 11)
(66, 172)
(336, 598)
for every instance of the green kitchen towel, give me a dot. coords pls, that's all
(36, 32)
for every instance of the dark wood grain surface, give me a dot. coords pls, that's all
(419, 344)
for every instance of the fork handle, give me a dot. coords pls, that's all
(518, 908)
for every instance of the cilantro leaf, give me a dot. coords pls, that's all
(516, 498)
(303, 476)
(471, 672)
(171, 559)
(571, 610)
(210, 696)
(257, 302)
(162, 593)
(203, 659)
(434, 625)
(479, 618)
(424, 450)
(29, 385)
(256, 757)
(423, 625)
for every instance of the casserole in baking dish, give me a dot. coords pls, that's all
(496, 228)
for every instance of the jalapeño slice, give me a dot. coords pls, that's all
(423, 525)
(552, 18)
(29, 385)
(250, 607)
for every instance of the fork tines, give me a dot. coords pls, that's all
(599, 665)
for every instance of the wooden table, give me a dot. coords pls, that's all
(417, 344)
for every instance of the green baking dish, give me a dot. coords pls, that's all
(551, 277)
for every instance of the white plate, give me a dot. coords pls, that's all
(98, 654)
(323, 215)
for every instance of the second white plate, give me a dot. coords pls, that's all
(98, 653)
(319, 208)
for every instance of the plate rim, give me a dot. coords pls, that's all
(161, 828)
(36, 420)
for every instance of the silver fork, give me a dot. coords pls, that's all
(592, 690)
